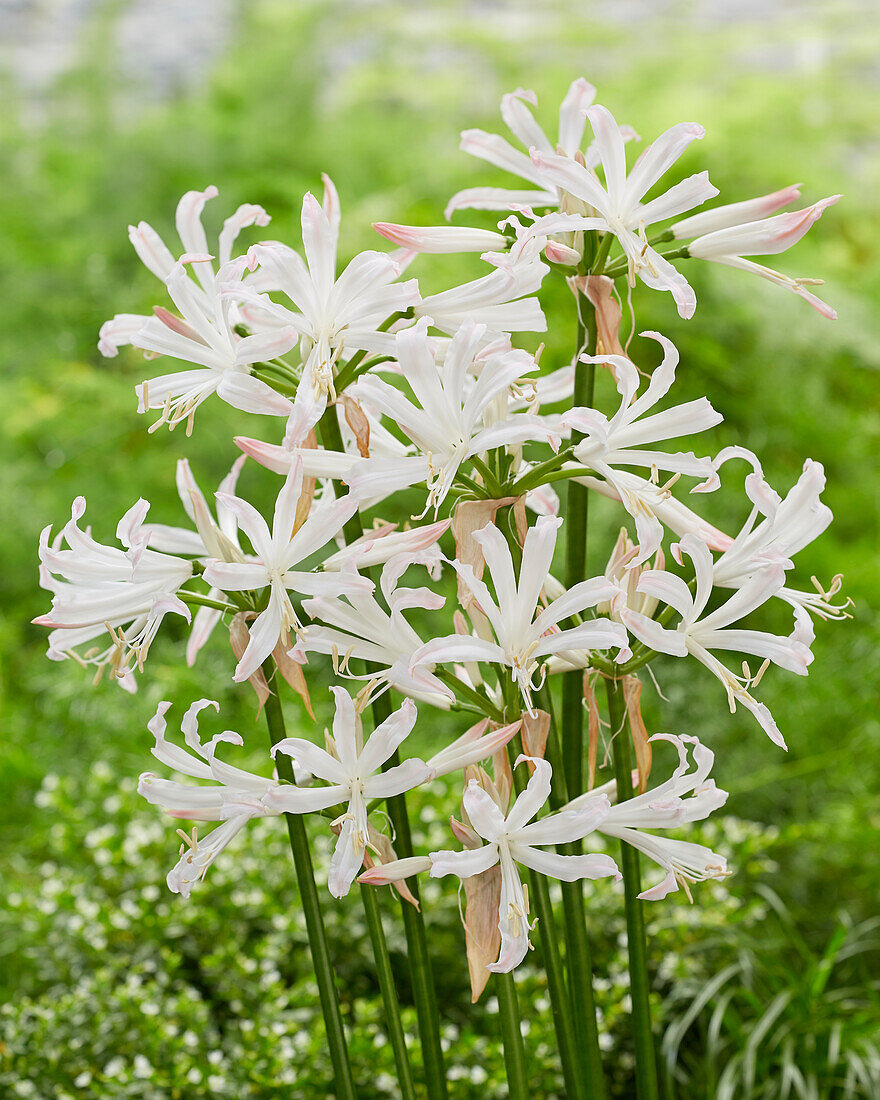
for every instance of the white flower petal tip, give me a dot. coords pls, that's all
(440, 239)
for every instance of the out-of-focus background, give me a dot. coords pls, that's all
(111, 986)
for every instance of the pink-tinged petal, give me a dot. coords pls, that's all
(264, 634)
(565, 868)
(483, 812)
(236, 576)
(513, 920)
(760, 238)
(797, 286)
(119, 331)
(439, 239)
(567, 825)
(530, 801)
(249, 394)
(288, 799)
(654, 635)
(495, 198)
(206, 618)
(246, 215)
(387, 738)
(266, 345)
(610, 147)
(402, 777)
(496, 150)
(572, 114)
(463, 752)
(346, 729)
(311, 758)
(658, 158)
(520, 120)
(736, 213)
(465, 864)
(151, 250)
(319, 242)
(567, 174)
(691, 192)
(347, 859)
(383, 874)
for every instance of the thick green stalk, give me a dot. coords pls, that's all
(643, 1039)
(305, 877)
(576, 1085)
(416, 938)
(514, 1055)
(578, 955)
(393, 1023)
(413, 922)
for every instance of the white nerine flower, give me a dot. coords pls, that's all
(100, 590)
(278, 552)
(204, 332)
(521, 638)
(681, 799)
(511, 840)
(448, 423)
(622, 440)
(762, 238)
(330, 317)
(360, 628)
(697, 635)
(352, 770)
(619, 206)
(735, 213)
(521, 123)
(498, 300)
(235, 797)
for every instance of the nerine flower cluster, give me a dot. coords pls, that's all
(438, 411)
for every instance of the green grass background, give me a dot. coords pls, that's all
(375, 95)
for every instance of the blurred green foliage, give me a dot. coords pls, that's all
(375, 96)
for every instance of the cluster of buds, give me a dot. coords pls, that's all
(375, 395)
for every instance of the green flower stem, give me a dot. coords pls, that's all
(416, 938)
(514, 1055)
(305, 877)
(576, 1085)
(198, 600)
(393, 1023)
(577, 947)
(413, 922)
(646, 1064)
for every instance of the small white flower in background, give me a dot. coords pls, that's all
(619, 206)
(358, 627)
(100, 590)
(278, 552)
(235, 797)
(351, 768)
(697, 635)
(520, 638)
(521, 123)
(448, 420)
(331, 317)
(684, 797)
(511, 840)
(620, 440)
(204, 332)
(764, 237)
